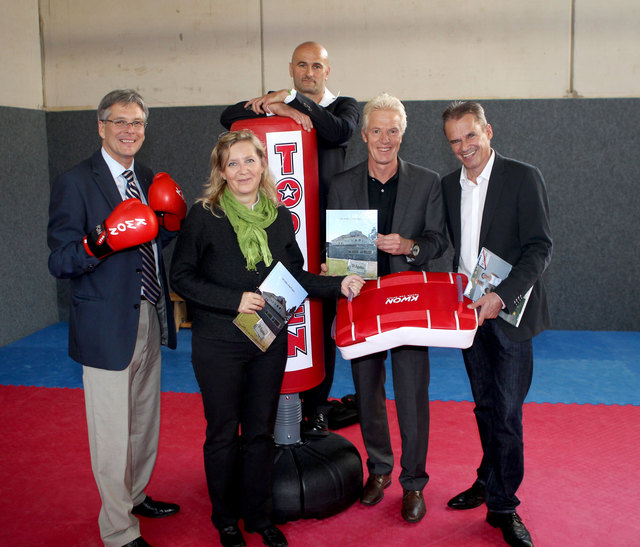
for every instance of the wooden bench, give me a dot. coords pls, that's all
(180, 314)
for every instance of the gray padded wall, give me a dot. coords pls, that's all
(584, 148)
(27, 291)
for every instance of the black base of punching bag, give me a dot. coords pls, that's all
(316, 478)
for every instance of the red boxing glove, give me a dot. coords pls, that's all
(166, 199)
(131, 223)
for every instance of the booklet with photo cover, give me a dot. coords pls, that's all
(283, 296)
(489, 272)
(351, 242)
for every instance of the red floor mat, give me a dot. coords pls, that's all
(580, 488)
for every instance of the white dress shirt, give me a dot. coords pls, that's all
(327, 98)
(471, 208)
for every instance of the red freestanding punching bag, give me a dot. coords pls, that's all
(292, 155)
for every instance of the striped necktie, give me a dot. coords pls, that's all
(150, 285)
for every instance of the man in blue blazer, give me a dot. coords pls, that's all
(411, 232)
(115, 328)
(500, 204)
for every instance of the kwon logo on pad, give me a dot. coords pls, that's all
(402, 298)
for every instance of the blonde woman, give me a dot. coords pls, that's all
(234, 234)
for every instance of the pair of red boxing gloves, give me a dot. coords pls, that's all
(133, 223)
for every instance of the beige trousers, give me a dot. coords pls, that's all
(123, 419)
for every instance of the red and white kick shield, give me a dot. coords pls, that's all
(407, 308)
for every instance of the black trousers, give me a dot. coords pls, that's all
(240, 388)
(411, 373)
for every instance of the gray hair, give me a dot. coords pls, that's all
(120, 96)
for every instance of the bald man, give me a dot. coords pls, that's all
(311, 105)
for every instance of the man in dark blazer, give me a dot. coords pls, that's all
(411, 232)
(115, 331)
(335, 120)
(500, 204)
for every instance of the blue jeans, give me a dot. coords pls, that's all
(500, 372)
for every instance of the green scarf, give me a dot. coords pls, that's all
(249, 226)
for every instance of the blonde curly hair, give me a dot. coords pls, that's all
(216, 185)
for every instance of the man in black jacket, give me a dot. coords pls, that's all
(411, 232)
(500, 204)
(335, 119)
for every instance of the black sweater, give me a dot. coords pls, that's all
(209, 270)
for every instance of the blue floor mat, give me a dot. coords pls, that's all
(594, 367)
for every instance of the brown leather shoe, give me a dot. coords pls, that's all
(373, 490)
(413, 506)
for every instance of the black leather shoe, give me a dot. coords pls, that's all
(138, 542)
(231, 536)
(474, 497)
(413, 506)
(317, 426)
(272, 537)
(343, 413)
(373, 490)
(155, 509)
(514, 531)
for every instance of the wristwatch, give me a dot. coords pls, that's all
(415, 249)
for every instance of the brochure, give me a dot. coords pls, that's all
(283, 295)
(351, 242)
(489, 272)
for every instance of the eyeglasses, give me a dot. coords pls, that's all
(123, 124)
